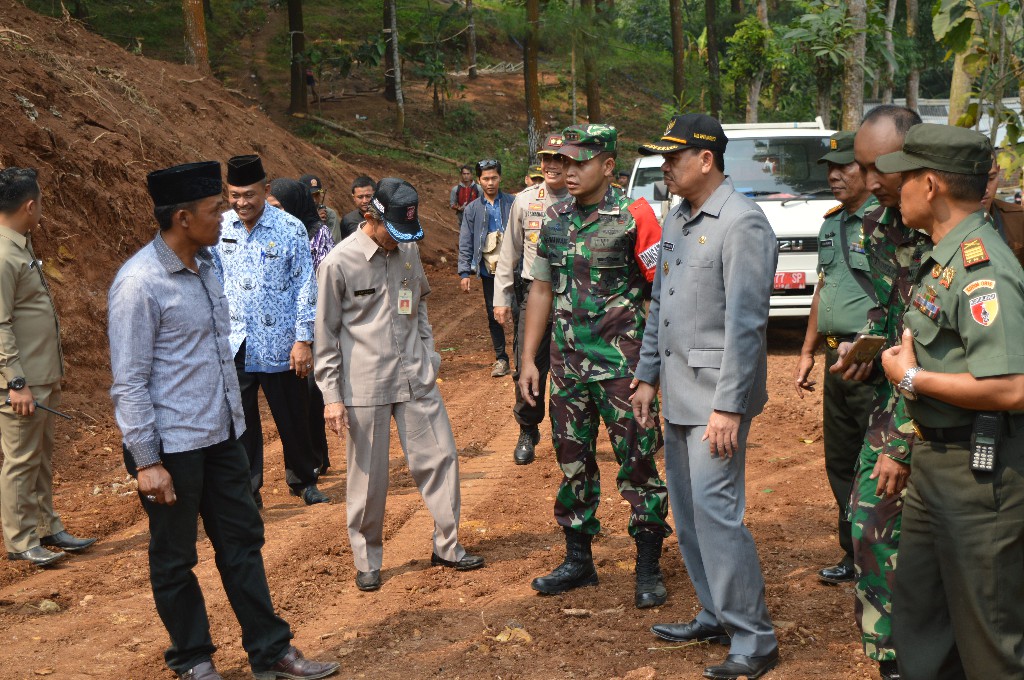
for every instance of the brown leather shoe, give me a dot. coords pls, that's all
(293, 666)
(201, 671)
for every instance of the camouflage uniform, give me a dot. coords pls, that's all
(598, 323)
(894, 254)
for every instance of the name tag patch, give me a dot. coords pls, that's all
(365, 291)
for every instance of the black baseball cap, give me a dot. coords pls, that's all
(398, 202)
(687, 131)
(315, 185)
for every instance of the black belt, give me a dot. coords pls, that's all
(944, 435)
(833, 341)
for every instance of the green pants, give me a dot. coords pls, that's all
(576, 410)
(959, 600)
(846, 405)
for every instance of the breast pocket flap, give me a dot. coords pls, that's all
(705, 358)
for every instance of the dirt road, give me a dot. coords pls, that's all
(430, 622)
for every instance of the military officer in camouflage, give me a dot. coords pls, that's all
(842, 298)
(586, 273)
(959, 598)
(876, 505)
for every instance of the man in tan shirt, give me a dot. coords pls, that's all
(374, 361)
(513, 279)
(31, 366)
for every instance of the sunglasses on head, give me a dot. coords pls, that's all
(488, 164)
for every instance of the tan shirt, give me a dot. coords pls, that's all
(520, 241)
(29, 329)
(366, 353)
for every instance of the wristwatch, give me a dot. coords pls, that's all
(906, 385)
(16, 384)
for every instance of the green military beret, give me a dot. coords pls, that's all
(940, 147)
(583, 142)
(840, 149)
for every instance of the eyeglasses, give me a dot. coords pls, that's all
(489, 164)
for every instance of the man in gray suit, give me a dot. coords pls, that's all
(711, 297)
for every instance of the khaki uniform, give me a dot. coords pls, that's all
(29, 349)
(959, 596)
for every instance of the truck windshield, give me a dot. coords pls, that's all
(777, 167)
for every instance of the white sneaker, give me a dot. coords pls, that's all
(500, 369)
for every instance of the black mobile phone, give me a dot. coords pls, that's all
(985, 440)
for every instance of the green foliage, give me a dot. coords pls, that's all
(751, 48)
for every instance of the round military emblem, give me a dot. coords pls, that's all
(985, 308)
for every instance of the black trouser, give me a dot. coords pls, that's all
(288, 397)
(317, 424)
(497, 330)
(529, 416)
(846, 405)
(211, 482)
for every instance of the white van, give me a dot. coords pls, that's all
(776, 164)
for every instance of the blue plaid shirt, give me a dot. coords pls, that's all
(268, 280)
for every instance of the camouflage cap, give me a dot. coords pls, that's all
(840, 149)
(690, 130)
(552, 143)
(946, 148)
(583, 142)
(535, 171)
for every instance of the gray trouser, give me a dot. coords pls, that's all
(429, 446)
(708, 500)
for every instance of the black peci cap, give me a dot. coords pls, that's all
(398, 202)
(245, 171)
(184, 183)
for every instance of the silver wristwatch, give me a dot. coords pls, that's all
(906, 385)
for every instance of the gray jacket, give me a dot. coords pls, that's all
(705, 333)
(473, 232)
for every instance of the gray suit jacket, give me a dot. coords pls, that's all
(705, 334)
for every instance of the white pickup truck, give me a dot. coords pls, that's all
(776, 164)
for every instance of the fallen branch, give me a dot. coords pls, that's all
(363, 138)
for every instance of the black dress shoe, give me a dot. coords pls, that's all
(66, 541)
(294, 665)
(524, 453)
(740, 666)
(841, 573)
(201, 671)
(311, 495)
(368, 581)
(37, 555)
(694, 630)
(467, 563)
(888, 670)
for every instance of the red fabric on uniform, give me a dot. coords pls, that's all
(648, 237)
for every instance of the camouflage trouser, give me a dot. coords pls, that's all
(576, 409)
(876, 535)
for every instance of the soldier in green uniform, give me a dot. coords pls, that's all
(894, 254)
(959, 599)
(585, 273)
(842, 298)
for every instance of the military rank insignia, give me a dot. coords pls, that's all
(536, 206)
(925, 303)
(936, 271)
(947, 277)
(540, 194)
(973, 252)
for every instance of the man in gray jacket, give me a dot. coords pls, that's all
(705, 343)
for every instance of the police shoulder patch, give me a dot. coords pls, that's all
(833, 211)
(973, 252)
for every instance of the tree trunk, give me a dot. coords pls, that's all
(754, 89)
(959, 89)
(298, 98)
(389, 56)
(591, 84)
(890, 49)
(196, 53)
(853, 75)
(531, 75)
(823, 95)
(471, 41)
(714, 76)
(208, 9)
(396, 59)
(675, 11)
(914, 72)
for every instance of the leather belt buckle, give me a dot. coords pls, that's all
(832, 340)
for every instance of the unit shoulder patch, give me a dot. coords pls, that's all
(833, 211)
(973, 252)
(985, 308)
(980, 283)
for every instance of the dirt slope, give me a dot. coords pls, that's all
(94, 120)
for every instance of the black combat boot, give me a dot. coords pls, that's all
(650, 588)
(575, 572)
